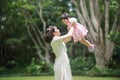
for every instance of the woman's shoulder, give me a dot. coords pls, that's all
(56, 39)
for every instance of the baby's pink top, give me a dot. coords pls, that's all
(80, 31)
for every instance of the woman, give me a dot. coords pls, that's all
(61, 66)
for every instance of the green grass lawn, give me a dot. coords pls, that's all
(52, 78)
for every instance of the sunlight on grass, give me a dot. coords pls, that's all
(52, 78)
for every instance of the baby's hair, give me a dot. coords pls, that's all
(49, 34)
(65, 16)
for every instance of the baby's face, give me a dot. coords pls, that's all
(65, 21)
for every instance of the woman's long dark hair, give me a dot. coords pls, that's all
(49, 34)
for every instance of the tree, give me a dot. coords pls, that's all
(14, 41)
(36, 24)
(95, 14)
(33, 29)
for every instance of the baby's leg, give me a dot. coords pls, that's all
(85, 42)
(88, 44)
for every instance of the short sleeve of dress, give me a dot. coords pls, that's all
(58, 39)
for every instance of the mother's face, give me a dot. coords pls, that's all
(57, 32)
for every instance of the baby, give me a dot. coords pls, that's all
(79, 33)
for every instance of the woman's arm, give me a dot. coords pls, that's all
(65, 38)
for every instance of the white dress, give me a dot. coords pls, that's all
(61, 66)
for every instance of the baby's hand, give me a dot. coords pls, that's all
(73, 21)
(73, 24)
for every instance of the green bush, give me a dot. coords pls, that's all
(115, 38)
(79, 64)
(2, 69)
(106, 72)
(37, 68)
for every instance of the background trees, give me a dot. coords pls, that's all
(14, 43)
(101, 18)
(23, 24)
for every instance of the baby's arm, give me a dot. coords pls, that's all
(73, 24)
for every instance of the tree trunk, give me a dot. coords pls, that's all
(35, 33)
(103, 56)
(100, 59)
(93, 19)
